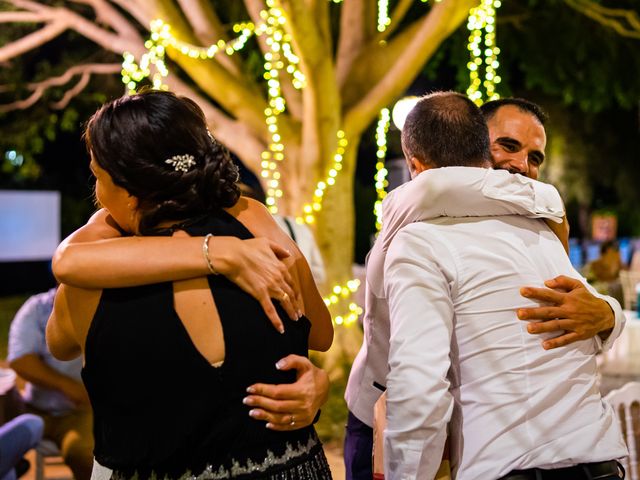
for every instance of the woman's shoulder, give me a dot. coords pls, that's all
(248, 206)
(257, 218)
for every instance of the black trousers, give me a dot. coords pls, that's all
(358, 446)
(608, 470)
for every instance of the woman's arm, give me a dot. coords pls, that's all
(73, 310)
(561, 230)
(97, 256)
(321, 334)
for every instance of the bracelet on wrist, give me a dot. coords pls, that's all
(205, 254)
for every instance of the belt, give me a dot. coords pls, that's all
(584, 471)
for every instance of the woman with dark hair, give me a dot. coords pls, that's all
(168, 364)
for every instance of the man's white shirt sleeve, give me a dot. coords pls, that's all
(419, 404)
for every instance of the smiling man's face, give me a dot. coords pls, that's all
(518, 140)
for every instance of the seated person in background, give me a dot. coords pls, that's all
(54, 390)
(17, 437)
(634, 265)
(168, 364)
(604, 272)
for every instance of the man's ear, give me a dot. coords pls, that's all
(416, 166)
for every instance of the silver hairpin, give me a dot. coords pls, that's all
(181, 162)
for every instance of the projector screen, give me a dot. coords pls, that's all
(29, 225)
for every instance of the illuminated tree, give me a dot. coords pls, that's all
(349, 59)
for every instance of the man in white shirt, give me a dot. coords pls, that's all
(457, 351)
(518, 140)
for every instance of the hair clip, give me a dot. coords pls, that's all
(181, 162)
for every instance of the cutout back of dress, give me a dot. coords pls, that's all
(159, 404)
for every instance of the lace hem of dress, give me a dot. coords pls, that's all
(315, 468)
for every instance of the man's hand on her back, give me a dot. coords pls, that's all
(572, 310)
(290, 406)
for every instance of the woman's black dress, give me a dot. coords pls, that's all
(161, 410)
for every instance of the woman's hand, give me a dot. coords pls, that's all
(290, 406)
(256, 266)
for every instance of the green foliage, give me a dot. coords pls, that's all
(28, 131)
(550, 47)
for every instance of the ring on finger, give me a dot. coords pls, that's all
(293, 420)
(284, 297)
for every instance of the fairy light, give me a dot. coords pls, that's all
(309, 210)
(383, 15)
(483, 52)
(342, 293)
(381, 172)
(279, 57)
(273, 66)
(152, 63)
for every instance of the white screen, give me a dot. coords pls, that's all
(29, 225)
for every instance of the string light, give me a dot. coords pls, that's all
(383, 15)
(279, 53)
(309, 210)
(273, 66)
(483, 52)
(341, 293)
(280, 56)
(161, 38)
(381, 182)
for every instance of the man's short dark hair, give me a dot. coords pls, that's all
(446, 129)
(490, 108)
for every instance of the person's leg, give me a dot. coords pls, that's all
(358, 446)
(74, 435)
(16, 438)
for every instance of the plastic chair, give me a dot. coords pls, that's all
(621, 400)
(629, 279)
(48, 453)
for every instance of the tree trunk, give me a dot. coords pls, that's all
(334, 230)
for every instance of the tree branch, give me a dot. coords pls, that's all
(614, 18)
(71, 93)
(208, 30)
(33, 40)
(292, 97)
(321, 98)
(396, 18)
(351, 39)
(106, 14)
(39, 88)
(405, 56)
(232, 133)
(137, 11)
(242, 98)
(22, 17)
(58, 20)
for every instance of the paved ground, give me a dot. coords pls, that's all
(334, 456)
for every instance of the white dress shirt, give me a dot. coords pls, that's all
(452, 192)
(458, 352)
